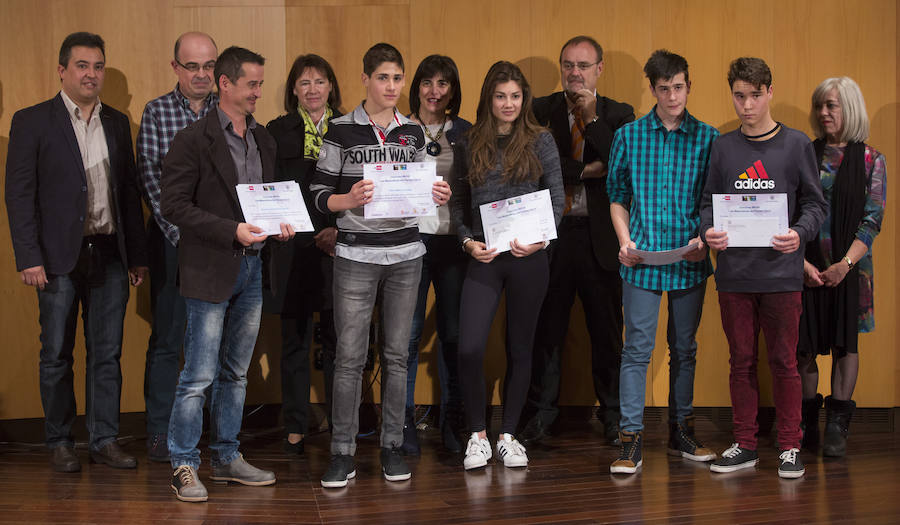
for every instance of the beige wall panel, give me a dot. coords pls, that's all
(341, 35)
(804, 41)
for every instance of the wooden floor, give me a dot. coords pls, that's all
(567, 480)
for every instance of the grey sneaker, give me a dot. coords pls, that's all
(791, 465)
(187, 486)
(242, 472)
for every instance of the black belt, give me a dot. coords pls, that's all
(252, 252)
(99, 240)
(394, 238)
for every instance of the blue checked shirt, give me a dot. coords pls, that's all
(658, 175)
(163, 118)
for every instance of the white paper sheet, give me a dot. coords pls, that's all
(401, 190)
(527, 218)
(751, 220)
(269, 204)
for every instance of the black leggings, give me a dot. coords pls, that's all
(525, 280)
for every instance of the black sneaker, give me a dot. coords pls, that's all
(682, 442)
(630, 457)
(341, 469)
(791, 465)
(735, 458)
(393, 465)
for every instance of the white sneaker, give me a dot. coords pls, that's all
(478, 452)
(511, 452)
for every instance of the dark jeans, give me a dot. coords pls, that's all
(574, 269)
(99, 283)
(444, 265)
(167, 331)
(778, 314)
(218, 346)
(525, 281)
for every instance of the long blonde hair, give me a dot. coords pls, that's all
(519, 161)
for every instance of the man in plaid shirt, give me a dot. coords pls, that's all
(193, 63)
(657, 170)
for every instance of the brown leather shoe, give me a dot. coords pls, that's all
(64, 459)
(113, 455)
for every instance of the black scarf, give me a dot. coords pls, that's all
(830, 315)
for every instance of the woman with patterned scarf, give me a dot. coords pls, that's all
(837, 296)
(299, 272)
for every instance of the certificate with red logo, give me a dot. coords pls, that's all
(401, 190)
(527, 218)
(751, 220)
(269, 204)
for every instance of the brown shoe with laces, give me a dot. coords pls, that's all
(112, 454)
(187, 485)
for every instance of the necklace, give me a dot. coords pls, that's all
(433, 148)
(777, 125)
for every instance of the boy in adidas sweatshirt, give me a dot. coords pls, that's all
(761, 287)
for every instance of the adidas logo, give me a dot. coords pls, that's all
(755, 178)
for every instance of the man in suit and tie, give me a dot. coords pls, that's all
(220, 272)
(76, 225)
(583, 258)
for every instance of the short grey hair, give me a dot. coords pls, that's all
(855, 126)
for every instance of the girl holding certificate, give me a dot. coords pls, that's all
(300, 272)
(838, 271)
(434, 98)
(506, 154)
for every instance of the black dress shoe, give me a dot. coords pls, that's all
(534, 432)
(293, 449)
(64, 459)
(113, 455)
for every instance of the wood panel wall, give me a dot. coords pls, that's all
(804, 41)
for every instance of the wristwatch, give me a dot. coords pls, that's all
(466, 241)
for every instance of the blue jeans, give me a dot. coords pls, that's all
(218, 346)
(102, 311)
(356, 287)
(444, 265)
(641, 308)
(167, 331)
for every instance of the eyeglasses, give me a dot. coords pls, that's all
(582, 66)
(194, 67)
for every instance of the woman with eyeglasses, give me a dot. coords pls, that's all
(506, 154)
(300, 272)
(434, 99)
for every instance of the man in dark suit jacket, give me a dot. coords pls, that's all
(76, 226)
(583, 258)
(219, 271)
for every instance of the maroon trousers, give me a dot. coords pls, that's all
(778, 314)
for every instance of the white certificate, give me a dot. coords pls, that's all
(527, 218)
(401, 190)
(269, 204)
(751, 220)
(663, 257)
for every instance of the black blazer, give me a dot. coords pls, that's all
(199, 196)
(280, 259)
(46, 188)
(551, 111)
